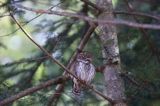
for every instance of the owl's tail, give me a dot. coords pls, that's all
(76, 88)
(77, 93)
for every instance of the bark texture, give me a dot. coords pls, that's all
(114, 86)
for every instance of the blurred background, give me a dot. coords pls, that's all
(23, 64)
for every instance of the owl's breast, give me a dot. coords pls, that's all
(85, 71)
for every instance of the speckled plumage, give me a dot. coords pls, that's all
(84, 70)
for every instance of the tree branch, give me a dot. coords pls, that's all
(138, 14)
(151, 44)
(25, 60)
(93, 20)
(32, 90)
(27, 21)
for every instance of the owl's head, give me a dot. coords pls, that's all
(85, 56)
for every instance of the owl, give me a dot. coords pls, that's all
(84, 70)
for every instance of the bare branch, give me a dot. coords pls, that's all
(151, 44)
(32, 90)
(27, 21)
(122, 12)
(115, 21)
(138, 14)
(25, 60)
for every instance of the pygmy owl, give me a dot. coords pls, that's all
(84, 70)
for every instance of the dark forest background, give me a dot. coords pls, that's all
(24, 65)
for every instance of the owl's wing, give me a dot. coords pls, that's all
(90, 73)
(76, 84)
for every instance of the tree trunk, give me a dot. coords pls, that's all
(114, 85)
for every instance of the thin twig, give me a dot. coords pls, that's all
(151, 44)
(93, 20)
(28, 21)
(25, 60)
(138, 14)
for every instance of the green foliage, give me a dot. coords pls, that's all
(23, 65)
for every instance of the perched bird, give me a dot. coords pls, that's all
(84, 70)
